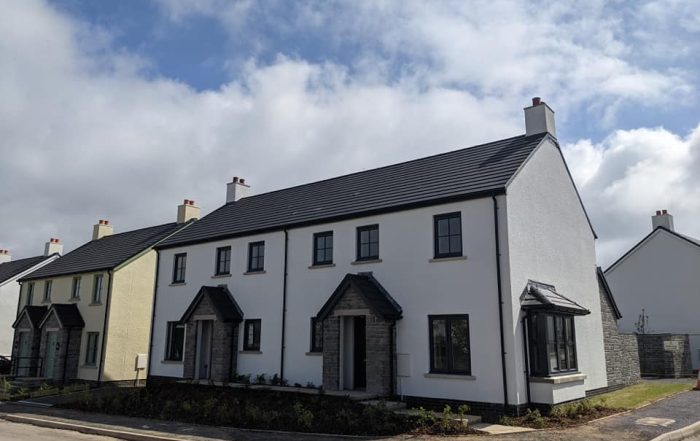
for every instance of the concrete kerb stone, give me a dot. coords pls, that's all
(135, 436)
(680, 434)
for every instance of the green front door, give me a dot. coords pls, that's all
(50, 356)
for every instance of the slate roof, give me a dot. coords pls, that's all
(10, 269)
(690, 240)
(225, 306)
(35, 314)
(68, 315)
(374, 294)
(542, 296)
(458, 175)
(603, 282)
(105, 253)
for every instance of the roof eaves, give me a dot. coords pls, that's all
(608, 293)
(355, 215)
(29, 278)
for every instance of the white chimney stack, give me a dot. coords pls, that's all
(5, 256)
(187, 211)
(237, 190)
(102, 229)
(539, 118)
(662, 219)
(53, 246)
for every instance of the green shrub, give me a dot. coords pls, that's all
(534, 418)
(260, 379)
(506, 420)
(304, 417)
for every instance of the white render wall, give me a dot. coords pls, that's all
(421, 287)
(550, 241)
(9, 302)
(661, 277)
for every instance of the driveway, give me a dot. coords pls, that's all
(27, 432)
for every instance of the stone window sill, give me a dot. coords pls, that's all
(325, 265)
(250, 352)
(178, 284)
(172, 361)
(362, 262)
(447, 259)
(315, 353)
(449, 376)
(221, 276)
(251, 273)
(561, 379)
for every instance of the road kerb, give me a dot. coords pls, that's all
(680, 434)
(90, 430)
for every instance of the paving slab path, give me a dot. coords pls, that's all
(639, 425)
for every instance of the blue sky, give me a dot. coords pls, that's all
(187, 93)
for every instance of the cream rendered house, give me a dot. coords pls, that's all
(87, 316)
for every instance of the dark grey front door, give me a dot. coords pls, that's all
(204, 350)
(50, 354)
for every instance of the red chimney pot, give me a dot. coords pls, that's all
(536, 101)
(664, 212)
(235, 179)
(242, 181)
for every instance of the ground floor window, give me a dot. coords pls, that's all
(175, 341)
(91, 349)
(552, 344)
(449, 344)
(316, 335)
(251, 335)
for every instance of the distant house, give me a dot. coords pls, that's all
(10, 272)
(87, 315)
(657, 287)
(467, 276)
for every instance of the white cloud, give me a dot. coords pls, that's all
(632, 173)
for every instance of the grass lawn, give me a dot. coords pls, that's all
(640, 394)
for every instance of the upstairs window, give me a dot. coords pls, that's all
(251, 335)
(448, 235)
(368, 242)
(552, 344)
(316, 335)
(30, 293)
(450, 350)
(75, 289)
(48, 285)
(256, 256)
(179, 266)
(97, 288)
(223, 261)
(175, 341)
(323, 248)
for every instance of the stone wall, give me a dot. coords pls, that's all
(379, 344)
(223, 349)
(621, 351)
(31, 367)
(664, 355)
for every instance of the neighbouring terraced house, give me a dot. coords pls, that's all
(87, 315)
(10, 272)
(657, 287)
(467, 276)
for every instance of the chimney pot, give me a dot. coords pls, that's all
(658, 212)
(235, 179)
(664, 212)
(536, 101)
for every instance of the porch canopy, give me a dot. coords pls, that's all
(68, 315)
(539, 296)
(34, 314)
(370, 290)
(218, 298)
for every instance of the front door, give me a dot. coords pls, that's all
(50, 355)
(359, 354)
(204, 349)
(23, 354)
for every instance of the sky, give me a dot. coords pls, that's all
(120, 110)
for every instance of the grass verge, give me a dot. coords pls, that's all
(640, 394)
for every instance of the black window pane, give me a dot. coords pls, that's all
(444, 245)
(443, 227)
(373, 249)
(456, 225)
(439, 345)
(374, 235)
(460, 345)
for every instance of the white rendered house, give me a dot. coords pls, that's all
(658, 278)
(410, 280)
(10, 272)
